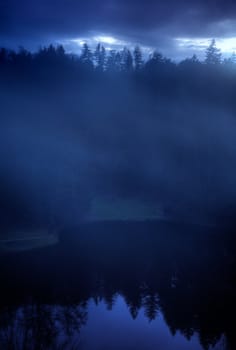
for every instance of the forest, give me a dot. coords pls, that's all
(116, 124)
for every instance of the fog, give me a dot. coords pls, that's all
(69, 138)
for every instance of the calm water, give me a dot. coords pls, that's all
(134, 286)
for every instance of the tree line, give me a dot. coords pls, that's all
(103, 60)
(213, 78)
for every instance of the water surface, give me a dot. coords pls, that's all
(122, 285)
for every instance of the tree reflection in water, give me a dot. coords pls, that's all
(185, 274)
(38, 326)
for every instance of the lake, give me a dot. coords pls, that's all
(122, 285)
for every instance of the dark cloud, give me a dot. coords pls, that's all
(148, 22)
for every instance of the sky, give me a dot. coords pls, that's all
(177, 28)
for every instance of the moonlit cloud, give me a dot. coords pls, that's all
(199, 45)
(110, 42)
(194, 43)
(227, 45)
(107, 40)
(177, 49)
(118, 23)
